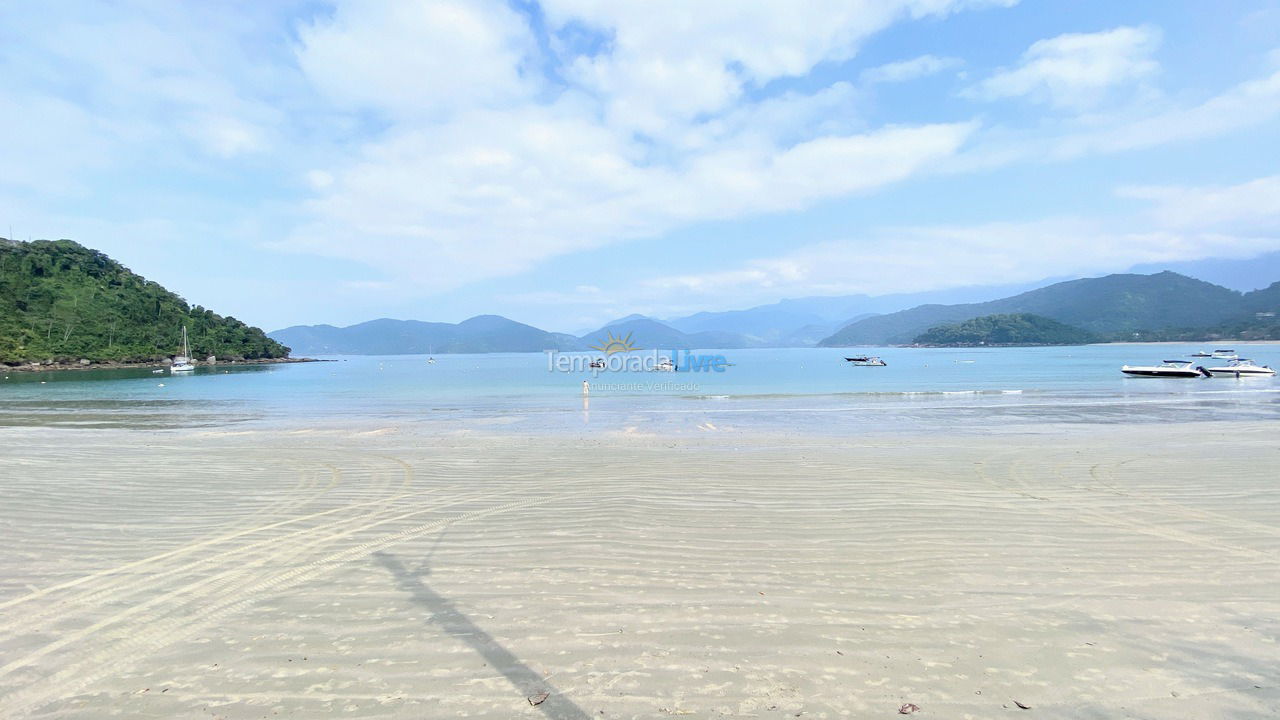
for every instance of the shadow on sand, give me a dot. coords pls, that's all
(443, 613)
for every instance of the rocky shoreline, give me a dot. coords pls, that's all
(113, 365)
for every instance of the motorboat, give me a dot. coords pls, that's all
(1241, 367)
(665, 365)
(1202, 354)
(866, 361)
(182, 363)
(1224, 355)
(598, 363)
(1168, 368)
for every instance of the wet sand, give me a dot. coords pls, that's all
(1084, 572)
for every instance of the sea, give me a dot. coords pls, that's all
(802, 390)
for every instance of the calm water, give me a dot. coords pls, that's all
(810, 390)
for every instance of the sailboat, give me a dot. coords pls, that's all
(182, 363)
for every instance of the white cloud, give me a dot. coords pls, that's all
(114, 86)
(482, 172)
(1236, 221)
(670, 61)
(1247, 104)
(493, 194)
(1146, 123)
(417, 58)
(905, 70)
(1076, 69)
(1248, 209)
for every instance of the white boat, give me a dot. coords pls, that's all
(182, 363)
(1168, 368)
(665, 365)
(1224, 355)
(1202, 354)
(1241, 367)
(866, 361)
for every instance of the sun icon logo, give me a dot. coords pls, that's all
(613, 344)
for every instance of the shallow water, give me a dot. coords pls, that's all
(800, 389)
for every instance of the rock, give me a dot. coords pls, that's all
(908, 708)
(536, 700)
(212, 360)
(1020, 705)
(84, 361)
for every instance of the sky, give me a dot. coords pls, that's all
(568, 162)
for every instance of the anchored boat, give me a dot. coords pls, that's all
(182, 363)
(1241, 367)
(866, 361)
(1168, 368)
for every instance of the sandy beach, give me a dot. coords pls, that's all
(1081, 572)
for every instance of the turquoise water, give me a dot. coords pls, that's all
(804, 389)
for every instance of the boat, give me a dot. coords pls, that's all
(866, 361)
(1224, 355)
(665, 365)
(597, 363)
(1168, 368)
(1202, 354)
(431, 361)
(182, 363)
(1241, 367)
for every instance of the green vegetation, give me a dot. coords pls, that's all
(1011, 329)
(1256, 328)
(1114, 307)
(61, 301)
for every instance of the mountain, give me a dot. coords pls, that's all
(805, 321)
(1012, 329)
(1237, 274)
(486, 333)
(649, 334)
(1111, 306)
(1263, 301)
(480, 334)
(62, 301)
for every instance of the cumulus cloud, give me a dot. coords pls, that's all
(671, 61)
(417, 59)
(1076, 69)
(486, 167)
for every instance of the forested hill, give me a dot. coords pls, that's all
(64, 302)
(1010, 329)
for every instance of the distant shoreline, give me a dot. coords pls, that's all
(116, 365)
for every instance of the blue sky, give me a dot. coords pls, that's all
(567, 162)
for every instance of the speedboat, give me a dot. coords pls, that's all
(1224, 355)
(665, 365)
(1241, 367)
(597, 363)
(1168, 368)
(866, 361)
(1202, 354)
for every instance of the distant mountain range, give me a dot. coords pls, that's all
(483, 333)
(1112, 307)
(1124, 306)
